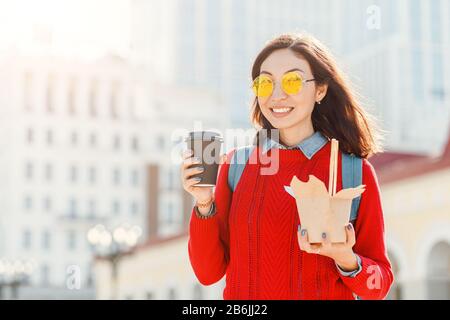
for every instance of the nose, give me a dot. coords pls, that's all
(278, 93)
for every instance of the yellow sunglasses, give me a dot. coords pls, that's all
(291, 83)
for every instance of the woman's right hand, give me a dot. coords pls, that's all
(188, 169)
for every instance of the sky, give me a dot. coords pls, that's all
(75, 27)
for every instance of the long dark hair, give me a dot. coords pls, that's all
(340, 115)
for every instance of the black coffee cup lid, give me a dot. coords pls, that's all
(204, 135)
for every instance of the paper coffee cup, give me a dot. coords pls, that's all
(206, 145)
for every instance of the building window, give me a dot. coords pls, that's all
(48, 172)
(134, 208)
(435, 21)
(134, 178)
(72, 96)
(72, 208)
(417, 69)
(29, 171)
(92, 207)
(26, 239)
(46, 239)
(116, 176)
(71, 240)
(49, 137)
(73, 173)
(170, 219)
(30, 135)
(116, 142)
(47, 204)
(135, 144)
(416, 20)
(161, 142)
(438, 91)
(45, 271)
(50, 93)
(93, 98)
(93, 140)
(74, 138)
(213, 27)
(116, 207)
(92, 175)
(170, 179)
(28, 203)
(113, 106)
(113, 100)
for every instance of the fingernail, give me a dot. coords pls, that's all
(349, 227)
(303, 232)
(197, 179)
(196, 159)
(201, 169)
(324, 235)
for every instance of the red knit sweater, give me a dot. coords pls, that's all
(253, 237)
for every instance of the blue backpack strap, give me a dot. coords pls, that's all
(238, 161)
(351, 178)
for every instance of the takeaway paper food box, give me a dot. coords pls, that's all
(321, 210)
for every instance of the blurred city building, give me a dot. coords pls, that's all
(417, 217)
(73, 154)
(84, 143)
(393, 51)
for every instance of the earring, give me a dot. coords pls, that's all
(319, 102)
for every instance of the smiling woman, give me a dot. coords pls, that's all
(251, 230)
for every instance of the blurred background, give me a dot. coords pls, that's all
(95, 95)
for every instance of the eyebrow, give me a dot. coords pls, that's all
(295, 69)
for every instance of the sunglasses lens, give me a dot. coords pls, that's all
(292, 83)
(262, 86)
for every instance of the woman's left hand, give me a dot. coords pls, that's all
(341, 253)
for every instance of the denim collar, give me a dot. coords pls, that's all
(309, 146)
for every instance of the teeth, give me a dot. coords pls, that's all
(281, 110)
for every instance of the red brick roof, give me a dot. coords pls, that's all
(446, 152)
(391, 166)
(381, 160)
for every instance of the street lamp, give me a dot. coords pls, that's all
(13, 274)
(112, 244)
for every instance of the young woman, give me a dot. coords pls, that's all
(253, 234)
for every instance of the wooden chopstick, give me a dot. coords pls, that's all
(332, 181)
(336, 153)
(331, 173)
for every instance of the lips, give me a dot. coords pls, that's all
(281, 109)
(279, 112)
